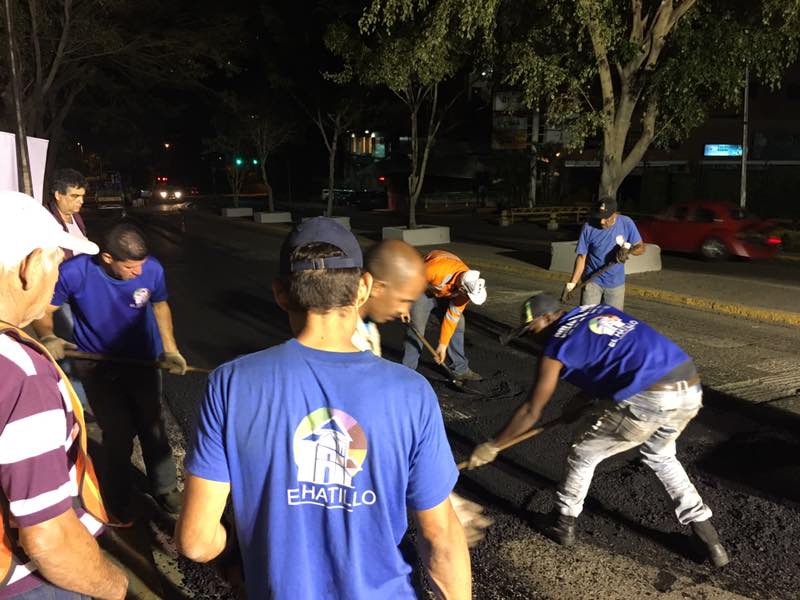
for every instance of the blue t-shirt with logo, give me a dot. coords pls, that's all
(610, 354)
(600, 247)
(112, 316)
(324, 452)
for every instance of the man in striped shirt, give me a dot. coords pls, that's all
(48, 550)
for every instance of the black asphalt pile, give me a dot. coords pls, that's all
(497, 386)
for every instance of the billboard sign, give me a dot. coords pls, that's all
(722, 150)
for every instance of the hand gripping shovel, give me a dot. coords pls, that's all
(567, 296)
(525, 436)
(75, 355)
(452, 379)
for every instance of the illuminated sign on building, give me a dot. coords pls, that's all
(722, 150)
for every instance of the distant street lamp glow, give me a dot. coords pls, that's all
(167, 145)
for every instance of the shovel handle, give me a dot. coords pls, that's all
(93, 356)
(521, 438)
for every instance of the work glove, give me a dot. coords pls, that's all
(569, 287)
(471, 517)
(441, 353)
(173, 362)
(56, 346)
(623, 254)
(483, 454)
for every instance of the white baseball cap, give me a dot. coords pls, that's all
(474, 286)
(26, 225)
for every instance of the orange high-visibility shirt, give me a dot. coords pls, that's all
(442, 270)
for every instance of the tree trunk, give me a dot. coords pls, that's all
(609, 178)
(413, 178)
(331, 176)
(267, 186)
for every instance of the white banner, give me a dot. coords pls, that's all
(37, 150)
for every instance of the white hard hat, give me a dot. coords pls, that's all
(474, 286)
(26, 225)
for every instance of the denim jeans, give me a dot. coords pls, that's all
(47, 591)
(651, 421)
(126, 401)
(63, 327)
(594, 293)
(412, 347)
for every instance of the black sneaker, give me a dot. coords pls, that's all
(171, 502)
(468, 375)
(705, 532)
(561, 529)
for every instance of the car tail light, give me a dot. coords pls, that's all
(773, 241)
(381, 178)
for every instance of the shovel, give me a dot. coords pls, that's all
(567, 296)
(75, 355)
(452, 379)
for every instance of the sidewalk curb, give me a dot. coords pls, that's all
(778, 317)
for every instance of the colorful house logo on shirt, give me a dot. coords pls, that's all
(140, 297)
(330, 448)
(606, 324)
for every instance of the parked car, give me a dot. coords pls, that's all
(715, 230)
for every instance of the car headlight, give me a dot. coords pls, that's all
(163, 194)
(178, 194)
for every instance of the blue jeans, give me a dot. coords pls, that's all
(412, 347)
(63, 327)
(47, 591)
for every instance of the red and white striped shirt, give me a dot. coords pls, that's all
(38, 449)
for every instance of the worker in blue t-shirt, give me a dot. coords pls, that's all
(324, 449)
(608, 238)
(119, 305)
(652, 391)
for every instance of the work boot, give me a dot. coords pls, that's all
(561, 529)
(468, 375)
(705, 532)
(170, 502)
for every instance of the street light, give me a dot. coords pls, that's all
(167, 145)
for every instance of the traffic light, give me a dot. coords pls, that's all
(254, 161)
(238, 161)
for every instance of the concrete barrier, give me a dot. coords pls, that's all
(273, 217)
(423, 235)
(237, 212)
(344, 221)
(562, 258)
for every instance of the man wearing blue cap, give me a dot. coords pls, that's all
(323, 448)
(651, 390)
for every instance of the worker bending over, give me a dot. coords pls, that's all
(451, 286)
(652, 390)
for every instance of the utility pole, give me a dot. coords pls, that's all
(743, 188)
(23, 160)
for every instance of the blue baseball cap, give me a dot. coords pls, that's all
(329, 231)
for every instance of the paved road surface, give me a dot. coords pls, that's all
(631, 546)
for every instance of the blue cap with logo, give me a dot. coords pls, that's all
(326, 230)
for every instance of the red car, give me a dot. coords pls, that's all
(715, 230)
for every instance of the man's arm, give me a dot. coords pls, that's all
(44, 326)
(529, 413)
(638, 249)
(578, 269)
(163, 316)
(443, 548)
(199, 533)
(455, 311)
(68, 556)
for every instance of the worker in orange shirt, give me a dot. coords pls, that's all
(451, 286)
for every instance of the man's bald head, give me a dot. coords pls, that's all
(393, 261)
(398, 272)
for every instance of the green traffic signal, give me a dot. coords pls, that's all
(255, 161)
(238, 161)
